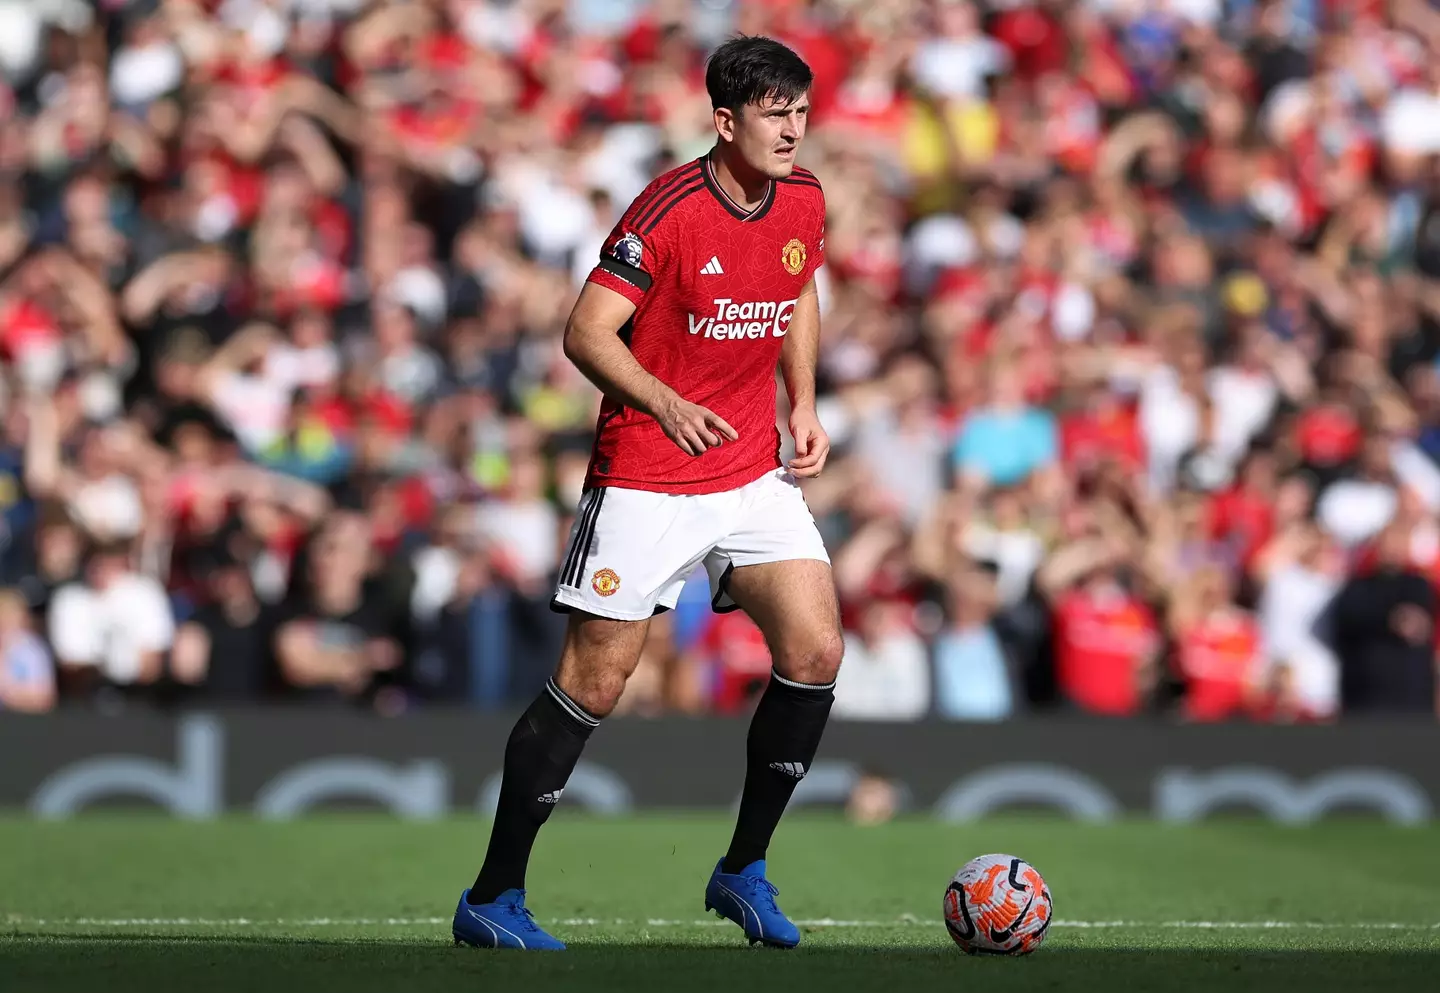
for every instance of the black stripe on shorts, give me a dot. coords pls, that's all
(574, 570)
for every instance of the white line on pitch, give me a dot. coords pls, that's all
(824, 922)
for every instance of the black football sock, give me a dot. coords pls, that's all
(784, 736)
(539, 757)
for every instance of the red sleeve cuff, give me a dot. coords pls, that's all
(605, 275)
(816, 260)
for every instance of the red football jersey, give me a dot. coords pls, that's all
(714, 288)
(1218, 657)
(1100, 644)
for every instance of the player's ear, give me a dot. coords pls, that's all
(725, 122)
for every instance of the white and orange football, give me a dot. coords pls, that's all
(998, 905)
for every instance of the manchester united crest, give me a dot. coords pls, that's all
(792, 256)
(605, 582)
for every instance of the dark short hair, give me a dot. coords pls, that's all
(748, 69)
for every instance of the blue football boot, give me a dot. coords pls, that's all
(748, 898)
(506, 923)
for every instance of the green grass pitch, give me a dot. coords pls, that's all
(122, 903)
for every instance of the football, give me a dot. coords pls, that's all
(998, 905)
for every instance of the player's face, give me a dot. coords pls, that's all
(767, 134)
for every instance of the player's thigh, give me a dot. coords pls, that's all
(794, 604)
(774, 566)
(628, 556)
(599, 655)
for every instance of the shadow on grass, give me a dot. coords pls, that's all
(147, 964)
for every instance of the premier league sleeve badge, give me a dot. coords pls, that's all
(629, 250)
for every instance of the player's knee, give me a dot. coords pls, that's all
(597, 692)
(815, 661)
(595, 683)
(598, 658)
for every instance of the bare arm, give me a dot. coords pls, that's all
(45, 474)
(800, 354)
(92, 299)
(29, 699)
(306, 662)
(863, 554)
(28, 696)
(144, 293)
(190, 658)
(1065, 567)
(592, 342)
(247, 345)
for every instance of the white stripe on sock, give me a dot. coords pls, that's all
(570, 706)
(801, 686)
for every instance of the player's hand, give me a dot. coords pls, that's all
(812, 444)
(693, 427)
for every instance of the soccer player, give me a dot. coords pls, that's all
(703, 287)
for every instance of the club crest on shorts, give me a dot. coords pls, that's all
(605, 582)
(792, 256)
(629, 249)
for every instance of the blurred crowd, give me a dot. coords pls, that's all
(1131, 325)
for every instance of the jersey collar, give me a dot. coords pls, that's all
(736, 211)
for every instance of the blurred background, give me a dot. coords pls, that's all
(1131, 325)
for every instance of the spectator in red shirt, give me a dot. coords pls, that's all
(735, 661)
(1104, 428)
(1106, 638)
(1242, 518)
(1218, 644)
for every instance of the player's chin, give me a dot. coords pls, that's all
(781, 164)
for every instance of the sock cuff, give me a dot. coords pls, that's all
(803, 687)
(570, 707)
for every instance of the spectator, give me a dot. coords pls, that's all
(887, 673)
(1218, 650)
(113, 628)
(1299, 572)
(1382, 626)
(222, 653)
(1115, 298)
(27, 674)
(333, 637)
(733, 660)
(1006, 441)
(974, 680)
(1107, 642)
(1354, 510)
(521, 527)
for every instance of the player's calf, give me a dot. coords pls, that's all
(794, 604)
(541, 753)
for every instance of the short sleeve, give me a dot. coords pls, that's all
(73, 626)
(817, 258)
(152, 624)
(627, 262)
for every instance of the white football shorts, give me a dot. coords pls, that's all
(630, 551)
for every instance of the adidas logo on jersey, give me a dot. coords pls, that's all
(751, 319)
(713, 267)
(551, 797)
(793, 769)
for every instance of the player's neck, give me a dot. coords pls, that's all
(741, 184)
